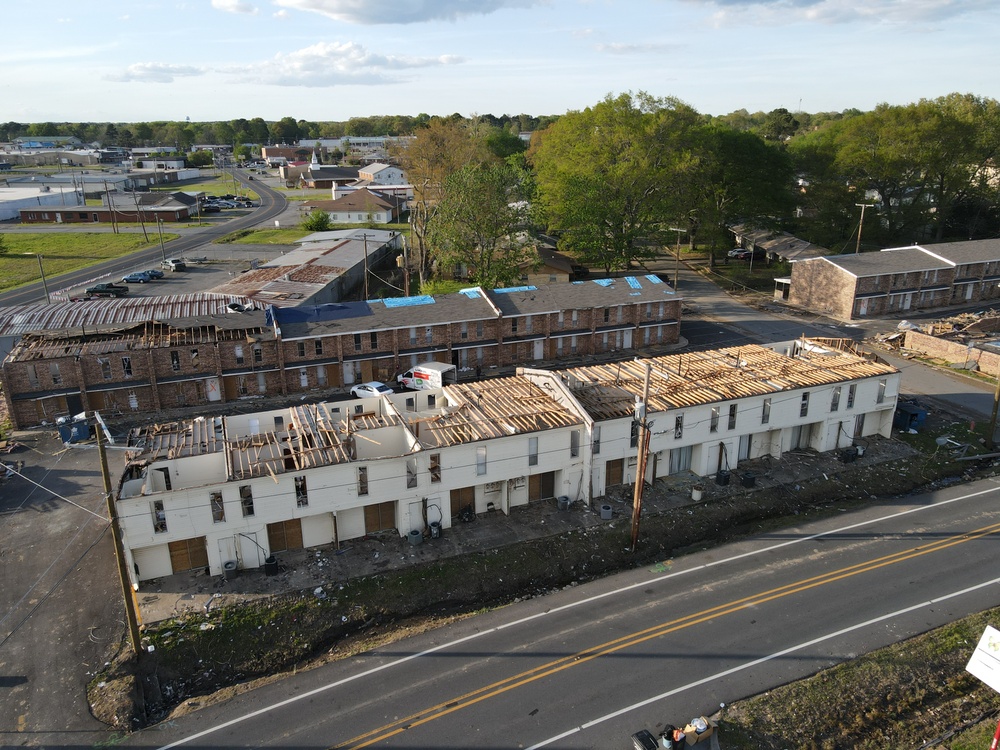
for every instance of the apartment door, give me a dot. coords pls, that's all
(188, 554)
(461, 498)
(380, 517)
(541, 486)
(284, 535)
(614, 472)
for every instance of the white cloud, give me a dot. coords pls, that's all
(842, 11)
(332, 64)
(633, 49)
(154, 73)
(403, 11)
(281, 15)
(235, 6)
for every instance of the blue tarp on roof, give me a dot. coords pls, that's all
(317, 313)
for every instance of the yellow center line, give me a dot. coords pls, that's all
(633, 639)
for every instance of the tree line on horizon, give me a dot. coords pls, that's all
(620, 180)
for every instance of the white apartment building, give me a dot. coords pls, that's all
(237, 489)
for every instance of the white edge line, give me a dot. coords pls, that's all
(763, 659)
(581, 602)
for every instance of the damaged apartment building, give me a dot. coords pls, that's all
(165, 363)
(227, 492)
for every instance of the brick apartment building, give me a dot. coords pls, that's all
(154, 365)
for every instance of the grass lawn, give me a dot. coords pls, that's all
(62, 253)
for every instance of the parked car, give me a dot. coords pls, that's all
(173, 264)
(107, 290)
(374, 389)
(211, 208)
(136, 277)
(736, 251)
(154, 273)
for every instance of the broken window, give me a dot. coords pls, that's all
(105, 368)
(301, 492)
(804, 407)
(175, 361)
(532, 451)
(32, 375)
(194, 357)
(238, 351)
(765, 414)
(301, 347)
(574, 444)
(218, 507)
(679, 426)
(411, 473)
(318, 347)
(362, 480)
(713, 425)
(880, 398)
(258, 353)
(159, 517)
(127, 366)
(732, 417)
(54, 372)
(851, 392)
(435, 467)
(835, 399)
(246, 500)
(596, 444)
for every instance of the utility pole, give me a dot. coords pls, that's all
(159, 228)
(861, 223)
(993, 418)
(640, 464)
(365, 238)
(677, 254)
(128, 593)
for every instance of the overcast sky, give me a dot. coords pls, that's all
(115, 61)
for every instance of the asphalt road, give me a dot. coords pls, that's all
(585, 667)
(272, 205)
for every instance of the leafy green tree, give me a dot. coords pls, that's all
(437, 151)
(502, 143)
(144, 133)
(126, 138)
(736, 177)
(779, 125)
(199, 158)
(607, 176)
(481, 224)
(259, 132)
(317, 221)
(285, 130)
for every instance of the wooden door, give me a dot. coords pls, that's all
(284, 535)
(188, 554)
(615, 472)
(380, 517)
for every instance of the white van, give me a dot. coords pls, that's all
(428, 375)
